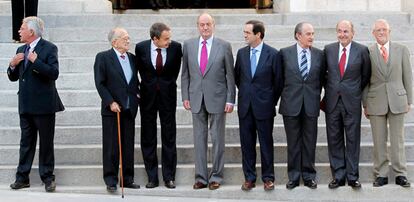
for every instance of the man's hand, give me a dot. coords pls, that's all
(228, 108)
(115, 107)
(186, 104)
(16, 59)
(32, 56)
(366, 113)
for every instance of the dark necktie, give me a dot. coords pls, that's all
(303, 68)
(158, 62)
(26, 55)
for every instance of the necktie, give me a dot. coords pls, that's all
(26, 55)
(384, 54)
(123, 57)
(303, 68)
(158, 62)
(342, 62)
(203, 57)
(253, 64)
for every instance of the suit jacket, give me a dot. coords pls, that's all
(216, 87)
(150, 80)
(356, 77)
(296, 91)
(262, 91)
(390, 86)
(37, 88)
(111, 83)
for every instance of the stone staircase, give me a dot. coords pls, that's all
(79, 36)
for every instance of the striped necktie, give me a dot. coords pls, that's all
(303, 68)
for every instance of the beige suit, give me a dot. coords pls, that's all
(386, 99)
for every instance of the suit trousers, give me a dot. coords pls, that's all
(201, 129)
(110, 149)
(30, 125)
(396, 137)
(344, 152)
(251, 129)
(301, 134)
(20, 10)
(168, 139)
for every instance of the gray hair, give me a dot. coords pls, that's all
(380, 21)
(115, 33)
(36, 24)
(299, 28)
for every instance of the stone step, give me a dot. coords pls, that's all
(87, 116)
(91, 154)
(226, 193)
(227, 17)
(79, 135)
(86, 175)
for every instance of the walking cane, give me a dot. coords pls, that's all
(120, 152)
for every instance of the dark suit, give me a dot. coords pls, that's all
(158, 93)
(299, 106)
(20, 10)
(257, 99)
(38, 103)
(112, 86)
(343, 108)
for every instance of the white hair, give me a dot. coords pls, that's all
(36, 24)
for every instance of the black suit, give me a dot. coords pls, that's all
(257, 99)
(112, 86)
(343, 108)
(299, 106)
(159, 93)
(38, 103)
(20, 10)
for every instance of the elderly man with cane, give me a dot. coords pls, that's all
(117, 83)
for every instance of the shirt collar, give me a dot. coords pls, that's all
(299, 48)
(258, 48)
(34, 43)
(154, 47)
(348, 47)
(386, 45)
(119, 54)
(209, 40)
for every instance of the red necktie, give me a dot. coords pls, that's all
(384, 54)
(203, 57)
(123, 57)
(158, 62)
(342, 62)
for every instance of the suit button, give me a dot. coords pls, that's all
(23, 80)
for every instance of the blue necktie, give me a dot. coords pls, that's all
(253, 64)
(26, 55)
(303, 68)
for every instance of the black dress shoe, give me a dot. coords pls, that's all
(402, 181)
(50, 186)
(380, 181)
(19, 185)
(310, 183)
(336, 183)
(170, 184)
(111, 188)
(292, 184)
(132, 186)
(151, 185)
(355, 184)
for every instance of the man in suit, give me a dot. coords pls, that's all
(208, 90)
(21, 9)
(117, 83)
(258, 76)
(159, 62)
(348, 72)
(303, 75)
(387, 99)
(36, 67)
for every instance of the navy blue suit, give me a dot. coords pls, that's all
(38, 103)
(257, 99)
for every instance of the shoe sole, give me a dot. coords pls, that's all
(25, 186)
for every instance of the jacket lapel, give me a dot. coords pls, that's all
(215, 47)
(262, 58)
(117, 65)
(378, 60)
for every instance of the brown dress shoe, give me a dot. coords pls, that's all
(268, 185)
(213, 185)
(248, 185)
(199, 185)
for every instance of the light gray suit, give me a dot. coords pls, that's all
(208, 95)
(386, 99)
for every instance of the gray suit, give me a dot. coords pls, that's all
(343, 108)
(299, 106)
(386, 99)
(208, 95)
